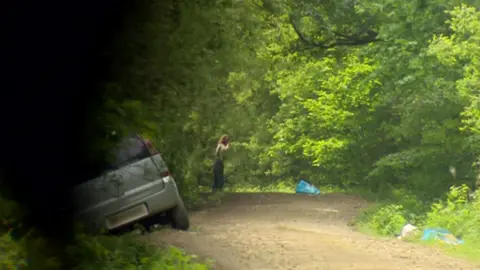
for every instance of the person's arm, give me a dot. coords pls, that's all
(221, 147)
(226, 147)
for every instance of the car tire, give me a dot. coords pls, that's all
(178, 217)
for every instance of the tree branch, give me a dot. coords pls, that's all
(339, 40)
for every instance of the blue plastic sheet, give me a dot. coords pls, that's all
(306, 188)
(442, 235)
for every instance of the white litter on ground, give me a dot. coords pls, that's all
(407, 229)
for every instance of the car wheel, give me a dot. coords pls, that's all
(178, 217)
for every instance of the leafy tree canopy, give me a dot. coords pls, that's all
(377, 93)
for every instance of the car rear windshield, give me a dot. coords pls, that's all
(130, 150)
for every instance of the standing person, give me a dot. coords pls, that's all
(218, 168)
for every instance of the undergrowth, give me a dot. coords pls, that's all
(281, 187)
(286, 186)
(103, 252)
(457, 211)
(125, 252)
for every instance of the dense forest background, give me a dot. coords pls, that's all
(379, 94)
(375, 95)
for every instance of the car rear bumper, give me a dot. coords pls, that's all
(131, 207)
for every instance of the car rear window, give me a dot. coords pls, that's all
(130, 150)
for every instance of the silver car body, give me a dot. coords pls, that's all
(127, 193)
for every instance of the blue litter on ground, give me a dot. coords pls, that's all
(306, 188)
(442, 235)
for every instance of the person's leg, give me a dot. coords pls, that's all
(214, 186)
(221, 176)
(216, 175)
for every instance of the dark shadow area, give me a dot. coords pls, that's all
(147, 225)
(55, 55)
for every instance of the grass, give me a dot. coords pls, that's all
(279, 187)
(90, 252)
(467, 251)
(387, 217)
(127, 252)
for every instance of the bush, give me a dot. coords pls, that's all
(89, 252)
(125, 252)
(387, 220)
(456, 212)
(388, 217)
(287, 186)
(12, 252)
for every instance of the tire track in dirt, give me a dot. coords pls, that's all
(272, 231)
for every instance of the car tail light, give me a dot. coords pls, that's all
(150, 147)
(166, 173)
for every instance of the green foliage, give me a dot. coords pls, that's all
(456, 212)
(388, 220)
(9, 213)
(89, 252)
(127, 252)
(393, 211)
(12, 253)
(373, 96)
(17, 251)
(378, 96)
(281, 187)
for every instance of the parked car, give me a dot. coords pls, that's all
(136, 185)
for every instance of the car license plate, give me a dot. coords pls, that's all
(126, 216)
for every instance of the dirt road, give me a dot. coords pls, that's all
(289, 231)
